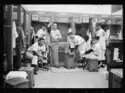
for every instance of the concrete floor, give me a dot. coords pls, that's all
(74, 79)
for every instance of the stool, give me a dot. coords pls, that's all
(30, 72)
(17, 83)
(92, 65)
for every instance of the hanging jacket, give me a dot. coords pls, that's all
(14, 34)
(20, 40)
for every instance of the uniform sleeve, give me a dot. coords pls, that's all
(79, 40)
(39, 33)
(33, 48)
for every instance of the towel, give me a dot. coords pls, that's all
(14, 34)
(15, 74)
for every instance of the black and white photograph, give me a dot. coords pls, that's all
(63, 46)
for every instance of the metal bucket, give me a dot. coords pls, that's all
(69, 61)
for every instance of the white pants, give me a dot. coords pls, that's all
(32, 57)
(102, 42)
(103, 55)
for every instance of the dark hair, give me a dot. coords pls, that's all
(36, 36)
(70, 33)
(45, 25)
(96, 38)
(41, 39)
(98, 24)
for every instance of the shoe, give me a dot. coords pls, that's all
(35, 69)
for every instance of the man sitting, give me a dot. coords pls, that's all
(94, 52)
(34, 53)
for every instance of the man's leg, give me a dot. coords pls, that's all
(34, 61)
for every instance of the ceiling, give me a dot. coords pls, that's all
(90, 9)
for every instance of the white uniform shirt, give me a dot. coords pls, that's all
(97, 50)
(41, 33)
(37, 48)
(55, 35)
(107, 34)
(78, 40)
(100, 33)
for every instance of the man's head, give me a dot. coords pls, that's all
(54, 26)
(44, 27)
(41, 41)
(95, 40)
(71, 35)
(98, 26)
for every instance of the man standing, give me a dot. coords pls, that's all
(101, 33)
(55, 38)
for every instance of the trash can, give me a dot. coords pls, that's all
(92, 65)
(70, 61)
(17, 83)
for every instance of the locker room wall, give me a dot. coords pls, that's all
(63, 27)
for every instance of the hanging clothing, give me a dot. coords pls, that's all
(55, 35)
(121, 35)
(107, 34)
(41, 33)
(15, 34)
(29, 36)
(19, 44)
(88, 43)
(20, 40)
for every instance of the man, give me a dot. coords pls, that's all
(94, 52)
(41, 33)
(55, 36)
(101, 33)
(77, 42)
(35, 53)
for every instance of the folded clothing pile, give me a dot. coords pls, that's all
(16, 74)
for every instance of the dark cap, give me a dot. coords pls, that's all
(96, 38)
(41, 39)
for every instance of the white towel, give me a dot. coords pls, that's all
(14, 74)
(14, 34)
